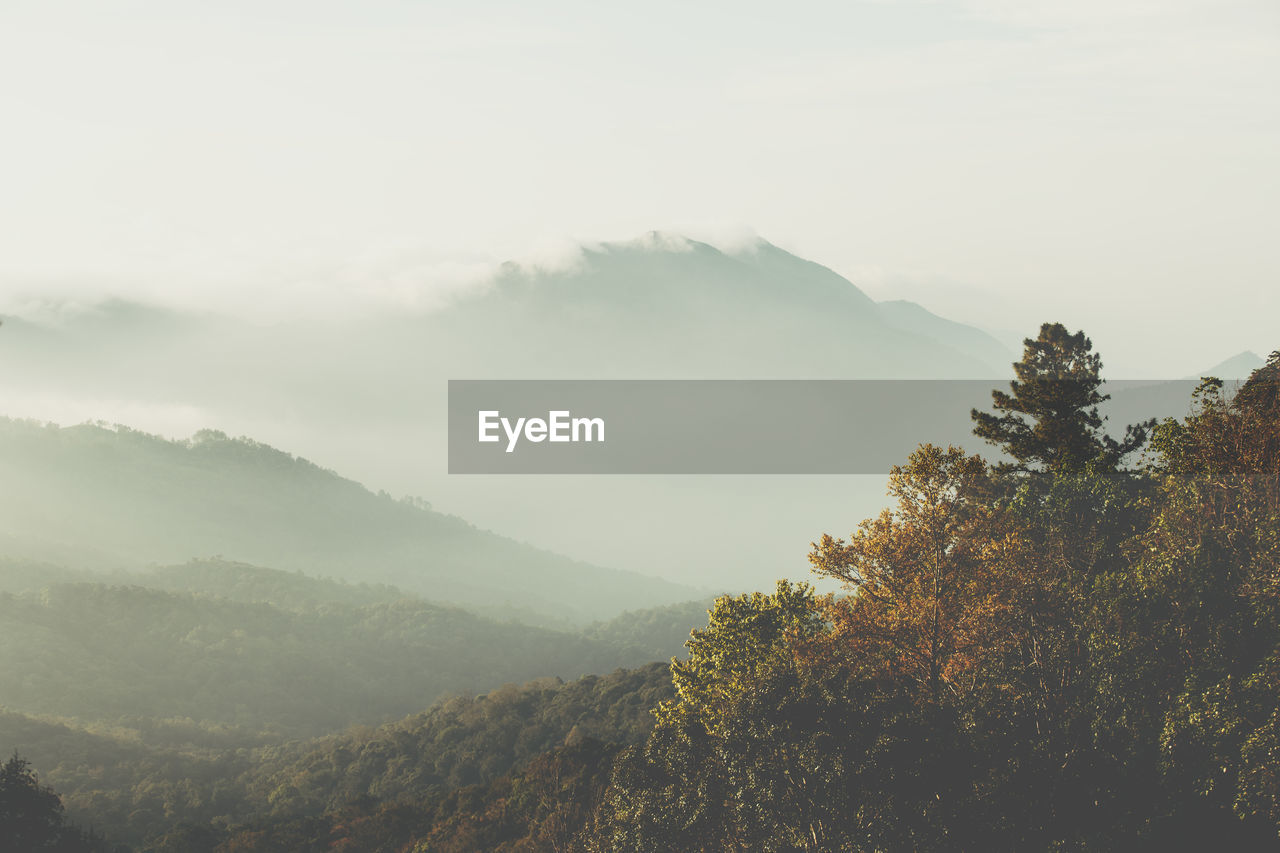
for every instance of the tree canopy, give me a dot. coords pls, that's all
(1050, 418)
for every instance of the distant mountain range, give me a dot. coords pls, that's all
(666, 306)
(365, 394)
(90, 496)
(661, 306)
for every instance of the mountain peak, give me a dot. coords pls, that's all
(1239, 366)
(667, 305)
(740, 245)
(660, 241)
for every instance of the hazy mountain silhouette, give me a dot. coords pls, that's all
(1239, 366)
(365, 394)
(106, 498)
(666, 306)
(658, 307)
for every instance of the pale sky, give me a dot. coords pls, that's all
(1109, 163)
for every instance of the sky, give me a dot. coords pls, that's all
(1106, 163)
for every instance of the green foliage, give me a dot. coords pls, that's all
(177, 695)
(101, 653)
(745, 636)
(806, 760)
(1206, 583)
(134, 788)
(31, 816)
(541, 807)
(658, 633)
(1051, 417)
(460, 741)
(1111, 649)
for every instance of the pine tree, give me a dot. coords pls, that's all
(1051, 420)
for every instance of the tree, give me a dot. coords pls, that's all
(745, 635)
(31, 817)
(1051, 417)
(30, 814)
(925, 575)
(683, 790)
(1210, 574)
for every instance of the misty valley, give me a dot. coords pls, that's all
(1063, 636)
(833, 426)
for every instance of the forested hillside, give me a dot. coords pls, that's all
(1073, 650)
(100, 497)
(178, 692)
(225, 656)
(657, 633)
(460, 741)
(100, 653)
(136, 785)
(251, 584)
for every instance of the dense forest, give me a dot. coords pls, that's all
(132, 792)
(1074, 646)
(151, 697)
(103, 653)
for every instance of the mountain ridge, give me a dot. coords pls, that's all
(1238, 366)
(366, 391)
(140, 498)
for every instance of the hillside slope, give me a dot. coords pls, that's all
(101, 497)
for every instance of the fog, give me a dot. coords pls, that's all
(365, 395)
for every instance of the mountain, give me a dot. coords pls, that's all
(133, 787)
(365, 392)
(130, 656)
(911, 317)
(669, 307)
(662, 306)
(1239, 366)
(97, 497)
(460, 740)
(178, 693)
(251, 584)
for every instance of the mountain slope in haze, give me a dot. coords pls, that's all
(114, 497)
(200, 670)
(146, 708)
(914, 318)
(126, 655)
(659, 307)
(460, 740)
(365, 392)
(671, 307)
(1239, 366)
(251, 584)
(133, 790)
